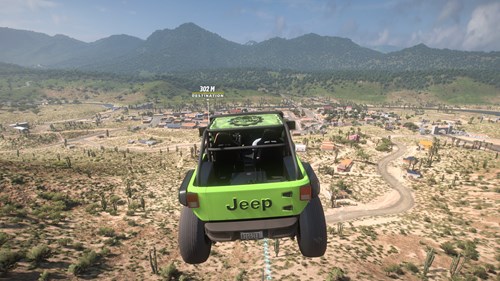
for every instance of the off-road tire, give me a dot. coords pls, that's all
(312, 230)
(194, 245)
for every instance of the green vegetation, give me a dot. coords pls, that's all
(384, 145)
(25, 89)
(38, 254)
(84, 263)
(8, 260)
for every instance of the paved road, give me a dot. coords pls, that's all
(404, 203)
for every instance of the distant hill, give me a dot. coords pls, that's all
(190, 47)
(107, 49)
(28, 48)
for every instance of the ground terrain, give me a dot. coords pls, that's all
(101, 193)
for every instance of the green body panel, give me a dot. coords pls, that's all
(256, 120)
(214, 200)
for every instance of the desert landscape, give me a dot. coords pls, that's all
(84, 195)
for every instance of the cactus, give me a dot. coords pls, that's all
(340, 228)
(153, 261)
(128, 190)
(104, 202)
(276, 246)
(68, 162)
(429, 259)
(143, 204)
(456, 265)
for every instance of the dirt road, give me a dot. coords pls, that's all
(404, 203)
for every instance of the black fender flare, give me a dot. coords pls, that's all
(313, 179)
(184, 186)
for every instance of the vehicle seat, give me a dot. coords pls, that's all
(270, 159)
(224, 160)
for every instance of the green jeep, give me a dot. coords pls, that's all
(249, 184)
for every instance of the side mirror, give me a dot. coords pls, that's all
(201, 130)
(290, 124)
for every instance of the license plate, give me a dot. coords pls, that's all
(251, 235)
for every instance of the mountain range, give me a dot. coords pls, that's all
(190, 47)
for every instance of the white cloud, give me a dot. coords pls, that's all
(382, 39)
(450, 37)
(279, 25)
(452, 10)
(483, 28)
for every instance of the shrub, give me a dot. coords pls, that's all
(241, 275)
(393, 268)
(449, 248)
(412, 267)
(4, 237)
(384, 145)
(106, 231)
(78, 246)
(112, 241)
(480, 272)
(490, 268)
(469, 249)
(38, 254)
(84, 263)
(8, 260)
(57, 197)
(336, 274)
(63, 241)
(169, 272)
(93, 208)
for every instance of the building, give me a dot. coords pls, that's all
(174, 126)
(148, 142)
(413, 174)
(345, 165)
(300, 147)
(426, 144)
(441, 130)
(354, 137)
(188, 125)
(328, 146)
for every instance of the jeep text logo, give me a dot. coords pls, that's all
(254, 204)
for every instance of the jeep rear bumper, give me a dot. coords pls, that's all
(270, 228)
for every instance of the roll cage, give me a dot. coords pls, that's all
(238, 148)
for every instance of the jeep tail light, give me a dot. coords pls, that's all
(192, 200)
(305, 193)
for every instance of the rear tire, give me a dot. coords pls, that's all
(312, 230)
(194, 245)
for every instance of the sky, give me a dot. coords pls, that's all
(472, 25)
